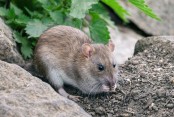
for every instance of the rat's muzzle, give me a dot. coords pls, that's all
(109, 86)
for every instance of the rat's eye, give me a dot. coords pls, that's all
(101, 67)
(114, 65)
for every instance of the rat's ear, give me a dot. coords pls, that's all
(111, 45)
(87, 49)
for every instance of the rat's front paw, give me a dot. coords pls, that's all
(74, 98)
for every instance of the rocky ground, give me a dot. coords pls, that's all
(146, 86)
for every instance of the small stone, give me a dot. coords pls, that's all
(172, 93)
(161, 92)
(161, 61)
(135, 62)
(170, 106)
(112, 111)
(99, 110)
(124, 115)
(157, 69)
(155, 108)
(172, 80)
(109, 115)
(143, 74)
(92, 113)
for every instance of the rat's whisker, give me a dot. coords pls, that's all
(97, 88)
(94, 87)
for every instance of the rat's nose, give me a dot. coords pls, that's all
(111, 84)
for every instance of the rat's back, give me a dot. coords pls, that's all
(58, 47)
(62, 40)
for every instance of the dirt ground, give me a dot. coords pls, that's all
(146, 87)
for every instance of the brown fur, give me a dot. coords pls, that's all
(60, 49)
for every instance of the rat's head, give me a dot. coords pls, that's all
(98, 68)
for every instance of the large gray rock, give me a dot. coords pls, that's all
(124, 40)
(163, 8)
(8, 51)
(22, 95)
(146, 43)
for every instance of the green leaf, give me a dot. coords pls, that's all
(103, 13)
(57, 16)
(35, 28)
(3, 11)
(17, 36)
(117, 8)
(17, 11)
(26, 46)
(99, 9)
(22, 20)
(48, 22)
(43, 1)
(79, 8)
(98, 30)
(77, 23)
(28, 11)
(34, 14)
(27, 51)
(47, 7)
(140, 4)
(11, 14)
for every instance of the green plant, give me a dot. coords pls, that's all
(30, 18)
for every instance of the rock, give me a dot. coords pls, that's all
(8, 50)
(161, 92)
(163, 8)
(172, 80)
(21, 95)
(145, 43)
(172, 93)
(124, 40)
(99, 110)
(170, 106)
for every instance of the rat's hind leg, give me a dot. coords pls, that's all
(55, 78)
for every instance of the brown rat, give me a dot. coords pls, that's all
(66, 55)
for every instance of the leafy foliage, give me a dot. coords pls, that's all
(26, 47)
(144, 7)
(121, 12)
(80, 7)
(30, 18)
(35, 28)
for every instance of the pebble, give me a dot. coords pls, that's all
(155, 108)
(92, 113)
(135, 62)
(109, 115)
(170, 106)
(143, 74)
(99, 110)
(161, 92)
(172, 80)
(172, 93)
